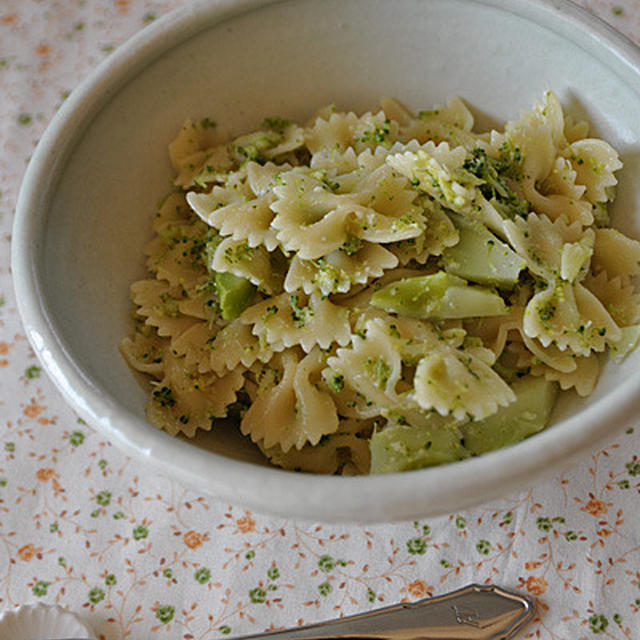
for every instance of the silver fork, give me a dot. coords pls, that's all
(475, 612)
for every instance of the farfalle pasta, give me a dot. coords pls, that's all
(386, 291)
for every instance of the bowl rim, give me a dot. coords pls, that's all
(373, 498)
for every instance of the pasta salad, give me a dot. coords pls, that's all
(383, 292)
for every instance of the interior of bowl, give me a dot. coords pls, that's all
(289, 58)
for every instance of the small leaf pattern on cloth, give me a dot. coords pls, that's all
(139, 556)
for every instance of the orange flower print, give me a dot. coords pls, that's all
(45, 474)
(246, 524)
(33, 410)
(192, 539)
(27, 553)
(418, 589)
(4, 350)
(43, 50)
(536, 585)
(595, 507)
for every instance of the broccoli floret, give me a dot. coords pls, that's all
(494, 172)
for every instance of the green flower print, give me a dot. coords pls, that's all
(76, 438)
(544, 524)
(140, 532)
(202, 575)
(325, 589)
(110, 580)
(103, 498)
(96, 595)
(165, 613)
(257, 595)
(598, 623)
(326, 563)
(32, 372)
(483, 547)
(40, 588)
(633, 467)
(416, 546)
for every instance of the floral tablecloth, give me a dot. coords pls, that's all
(138, 556)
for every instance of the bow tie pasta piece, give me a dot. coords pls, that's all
(372, 366)
(261, 178)
(194, 137)
(570, 317)
(294, 412)
(618, 296)
(286, 320)
(439, 233)
(255, 264)
(312, 221)
(581, 376)
(550, 355)
(434, 168)
(458, 384)
(334, 161)
(344, 452)
(172, 210)
(539, 134)
(199, 146)
(354, 263)
(563, 312)
(278, 137)
(548, 183)
(343, 130)
(175, 254)
(184, 400)
(594, 162)
(238, 214)
(235, 345)
(192, 345)
(551, 248)
(145, 351)
(452, 123)
(439, 172)
(158, 303)
(445, 378)
(616, 254)
(563, 180)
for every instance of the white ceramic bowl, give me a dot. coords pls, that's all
(84, 209)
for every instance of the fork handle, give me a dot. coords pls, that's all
(475, 612)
